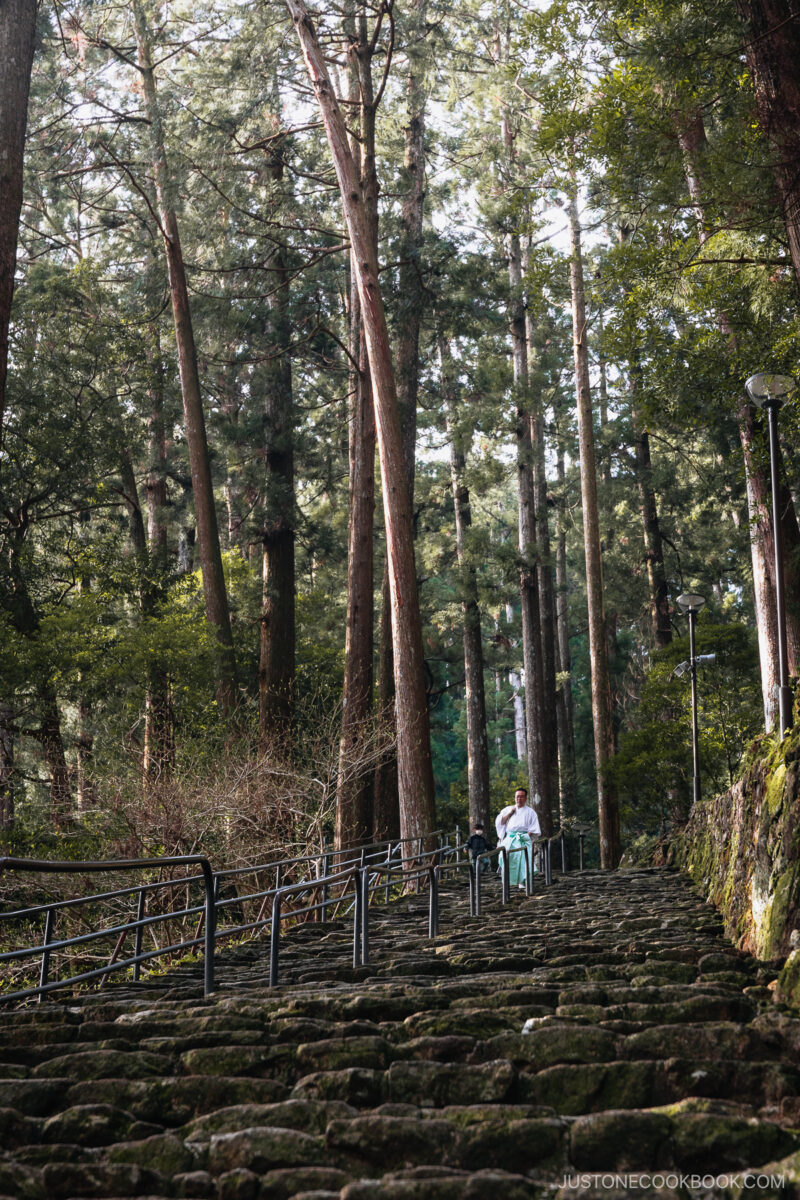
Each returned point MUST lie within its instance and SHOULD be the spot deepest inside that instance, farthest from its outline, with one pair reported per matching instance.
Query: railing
(361, 873)
(50, 945)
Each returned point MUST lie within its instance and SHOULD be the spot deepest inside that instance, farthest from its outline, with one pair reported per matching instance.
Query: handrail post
(477, 912)
(211, 926)
(364, 882)
(356, 877)
(274, 939)
(326, 870)
(471, 879)
(433, 902)
(388, 889)
(458, 843)
(137, 941)
(581, 836)
(44, 971)
(563, 853)
(529, 869)
(278, 876)
(548, 865)
(506, 877)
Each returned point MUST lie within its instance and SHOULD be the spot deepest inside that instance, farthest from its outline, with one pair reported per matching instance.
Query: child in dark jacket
(478, 845)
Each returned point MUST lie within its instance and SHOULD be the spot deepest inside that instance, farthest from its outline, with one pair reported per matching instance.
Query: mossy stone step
(603, 1024)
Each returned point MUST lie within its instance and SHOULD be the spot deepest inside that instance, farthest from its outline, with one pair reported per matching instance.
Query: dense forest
(371, 384)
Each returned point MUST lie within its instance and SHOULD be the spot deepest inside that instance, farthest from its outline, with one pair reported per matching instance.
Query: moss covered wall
(743, 849)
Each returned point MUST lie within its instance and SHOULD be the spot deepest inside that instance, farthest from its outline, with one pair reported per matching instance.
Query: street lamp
(691, 603)
(769, 392)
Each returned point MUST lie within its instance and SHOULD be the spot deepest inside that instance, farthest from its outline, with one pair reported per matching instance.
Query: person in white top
(516, 824)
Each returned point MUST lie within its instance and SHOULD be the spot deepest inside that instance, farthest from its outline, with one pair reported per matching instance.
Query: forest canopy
(371, 384)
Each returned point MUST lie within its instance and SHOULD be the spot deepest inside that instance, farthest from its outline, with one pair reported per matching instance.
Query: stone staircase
(603, 1026)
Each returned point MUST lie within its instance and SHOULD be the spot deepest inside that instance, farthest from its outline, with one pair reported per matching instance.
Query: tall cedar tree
(602, 715)
(216, 598)
(414, 765)
(17, 33)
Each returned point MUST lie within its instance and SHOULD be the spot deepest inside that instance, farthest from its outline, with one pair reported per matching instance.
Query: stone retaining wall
(742, 848)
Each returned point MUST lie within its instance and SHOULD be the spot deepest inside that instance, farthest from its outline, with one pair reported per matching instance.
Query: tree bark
(547, 615)
(568, 794)
(354, 818)
(26, 621)
(772, 48)
(412, 299)
(415, 770)
(477, 743)
(651, 529)
(159, 739)
(216, 599)
(276, 672)
(7, 781)
(538, 764)
(17, 34)
(602, 715)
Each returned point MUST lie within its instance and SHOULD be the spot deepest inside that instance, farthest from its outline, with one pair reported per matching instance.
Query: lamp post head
(690, 602)
(767, 390)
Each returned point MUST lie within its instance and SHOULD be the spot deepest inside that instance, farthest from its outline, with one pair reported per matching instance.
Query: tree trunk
(386, 804)
(17, 33)
(566, 726)
(6, 767)
(412, 300)
(477, 744)
(354, 818)
(276, 672)
(538, 763)
(602, 715)
(216, 599)
(547, 616)
(772, 48)
(354, 787)
(415, 770)
(651, 529)
(159, 739)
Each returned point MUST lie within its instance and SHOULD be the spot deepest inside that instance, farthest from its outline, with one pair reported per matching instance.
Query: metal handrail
(80, 868)
(360, 868)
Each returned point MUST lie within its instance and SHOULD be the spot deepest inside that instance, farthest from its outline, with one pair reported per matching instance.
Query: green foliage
(653, 769)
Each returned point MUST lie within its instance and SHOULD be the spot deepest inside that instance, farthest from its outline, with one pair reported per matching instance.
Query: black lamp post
(769, 392)
(691, 603)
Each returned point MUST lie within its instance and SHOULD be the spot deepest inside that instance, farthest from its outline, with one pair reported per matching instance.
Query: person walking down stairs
(515, 825)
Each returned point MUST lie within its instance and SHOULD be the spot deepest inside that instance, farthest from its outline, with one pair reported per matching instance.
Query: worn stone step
(602, 1024)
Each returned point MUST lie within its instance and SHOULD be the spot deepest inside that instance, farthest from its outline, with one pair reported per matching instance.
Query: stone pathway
(603, 1026)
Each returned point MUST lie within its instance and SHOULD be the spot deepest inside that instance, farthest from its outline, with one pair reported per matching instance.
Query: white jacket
(522, 819)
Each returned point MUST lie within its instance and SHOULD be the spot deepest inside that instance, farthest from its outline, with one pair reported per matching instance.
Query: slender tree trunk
(386, 806)
(17, 33)
(48, 735)
(412, 301)
(520, 725)
(538, 762)
(415, 770)
(276, 673)
(477, 743)
(52, 744)
(602, 715)
(547, 614)
(354, 818)
(772, 47)
(651, 529)
(564, 712)
(216, 599)
(159, 741)
(6, 767)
